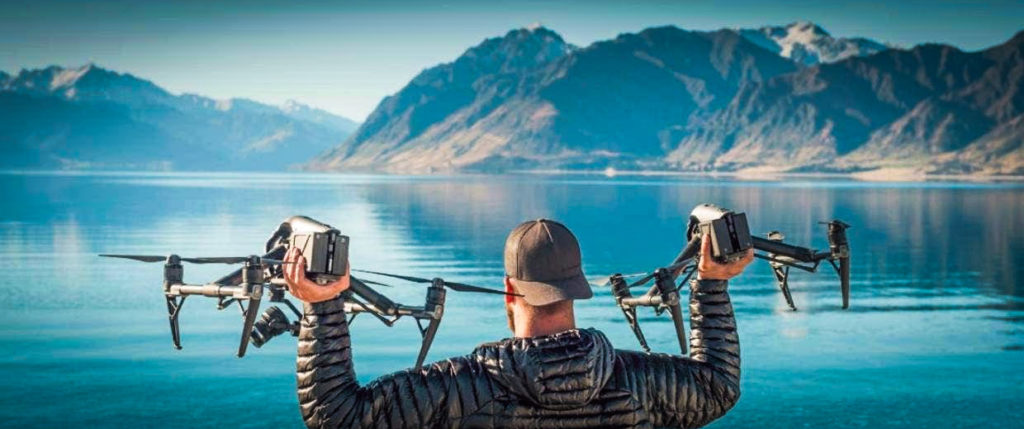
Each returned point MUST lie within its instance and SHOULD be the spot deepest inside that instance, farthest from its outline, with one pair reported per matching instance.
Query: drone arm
(331, 397)
(690, 251)
(838, 255)
(374, 298)
(779, 248)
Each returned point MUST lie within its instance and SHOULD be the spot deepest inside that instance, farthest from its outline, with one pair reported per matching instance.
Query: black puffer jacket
(574, 379)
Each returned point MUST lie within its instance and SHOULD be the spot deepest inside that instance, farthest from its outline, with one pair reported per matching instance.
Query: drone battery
(326, 253)
(730, 236)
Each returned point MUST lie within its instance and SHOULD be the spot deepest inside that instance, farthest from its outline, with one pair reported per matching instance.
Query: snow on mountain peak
(808, 43)
(292, 106)
(223, 105)
(64, 78)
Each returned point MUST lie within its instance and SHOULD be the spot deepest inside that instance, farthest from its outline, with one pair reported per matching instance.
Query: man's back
(571, 379)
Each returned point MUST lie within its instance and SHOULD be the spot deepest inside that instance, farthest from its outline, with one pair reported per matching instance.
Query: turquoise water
(935, 335)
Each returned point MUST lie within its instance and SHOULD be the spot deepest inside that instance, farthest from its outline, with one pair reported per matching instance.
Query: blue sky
(345, 56)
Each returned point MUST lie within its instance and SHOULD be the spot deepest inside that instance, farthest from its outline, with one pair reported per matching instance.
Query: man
(551, 374)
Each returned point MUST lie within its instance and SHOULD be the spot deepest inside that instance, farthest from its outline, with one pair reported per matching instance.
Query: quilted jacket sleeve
(330, 396)
(690, 392)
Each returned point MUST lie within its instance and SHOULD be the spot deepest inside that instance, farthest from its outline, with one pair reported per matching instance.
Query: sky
(344, 56)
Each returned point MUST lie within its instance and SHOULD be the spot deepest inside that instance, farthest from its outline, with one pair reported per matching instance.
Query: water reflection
(936, 272)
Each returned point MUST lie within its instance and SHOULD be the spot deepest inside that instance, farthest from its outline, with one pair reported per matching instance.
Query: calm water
(934, 336)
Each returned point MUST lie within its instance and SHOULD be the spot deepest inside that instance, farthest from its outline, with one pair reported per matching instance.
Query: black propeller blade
(205, 260)
(217, 260)
(461, 287)
(608, 279)
(232, 260)
(371, 282)
(140, 258)
(397, 276)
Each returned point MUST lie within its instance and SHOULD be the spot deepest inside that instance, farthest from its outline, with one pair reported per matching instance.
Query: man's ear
(509, 299)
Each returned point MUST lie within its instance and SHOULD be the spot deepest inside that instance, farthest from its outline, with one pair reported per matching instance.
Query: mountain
(932, 108)
(302, 112)
(809, 44)
(791, 99)
(530, 100)
(90, 117)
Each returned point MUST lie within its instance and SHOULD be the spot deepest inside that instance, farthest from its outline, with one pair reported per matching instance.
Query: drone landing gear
(249, 318)
(782, 277)
(664, 295)
(634, 324)
(781, 265)
(173, 308)
(435, 307)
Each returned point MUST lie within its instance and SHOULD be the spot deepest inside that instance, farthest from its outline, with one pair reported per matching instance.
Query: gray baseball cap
(542, 257)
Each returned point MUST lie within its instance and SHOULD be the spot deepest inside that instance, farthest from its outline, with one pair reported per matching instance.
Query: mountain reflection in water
(934, 333)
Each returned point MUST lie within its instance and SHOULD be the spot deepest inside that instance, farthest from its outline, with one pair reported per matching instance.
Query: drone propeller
(371, 282)
(232, 260)
(140, 258)
(608, 279)
(217, 260)
(461, 287)
(205, 260)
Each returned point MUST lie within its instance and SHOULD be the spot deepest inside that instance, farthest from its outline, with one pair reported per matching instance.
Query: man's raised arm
(690, 392)
(330, 396)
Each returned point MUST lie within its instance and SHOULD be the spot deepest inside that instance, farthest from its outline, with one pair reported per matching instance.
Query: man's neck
(544, 327)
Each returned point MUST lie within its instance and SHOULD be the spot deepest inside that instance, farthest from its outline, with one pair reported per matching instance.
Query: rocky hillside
(791, 99)
(932, 108)
(89, 117)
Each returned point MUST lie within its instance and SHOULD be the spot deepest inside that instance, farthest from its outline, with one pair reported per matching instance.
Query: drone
(325, 250)
(261, 278)
(730, 240)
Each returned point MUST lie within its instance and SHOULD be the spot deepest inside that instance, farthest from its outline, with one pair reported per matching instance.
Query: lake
(934, 336)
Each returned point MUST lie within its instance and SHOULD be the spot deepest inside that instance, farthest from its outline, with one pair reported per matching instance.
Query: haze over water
(934, 335)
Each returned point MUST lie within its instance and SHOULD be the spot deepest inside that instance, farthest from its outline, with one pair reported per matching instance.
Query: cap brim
(544, 293)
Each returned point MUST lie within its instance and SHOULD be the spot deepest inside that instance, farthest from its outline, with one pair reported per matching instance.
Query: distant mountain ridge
(91, 117)
(933, 108)
(548, 104)
(789, 98)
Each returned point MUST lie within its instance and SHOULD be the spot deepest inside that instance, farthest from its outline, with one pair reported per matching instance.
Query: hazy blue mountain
(666, 98)
(307, 113)
(809, 44)
(90, 117)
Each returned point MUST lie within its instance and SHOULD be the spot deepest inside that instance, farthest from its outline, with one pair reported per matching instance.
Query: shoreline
(874, 176)
(880, 175)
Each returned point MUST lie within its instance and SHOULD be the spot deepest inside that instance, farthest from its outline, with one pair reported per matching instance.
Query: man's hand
(305, 289)
(709, 269)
